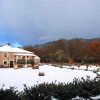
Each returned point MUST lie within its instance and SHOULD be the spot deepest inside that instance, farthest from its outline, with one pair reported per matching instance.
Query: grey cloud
(39, 21)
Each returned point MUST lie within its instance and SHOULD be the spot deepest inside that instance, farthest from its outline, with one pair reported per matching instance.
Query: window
(5, 62)
(5, 55)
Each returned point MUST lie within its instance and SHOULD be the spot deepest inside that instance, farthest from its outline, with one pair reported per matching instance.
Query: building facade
(17, 57)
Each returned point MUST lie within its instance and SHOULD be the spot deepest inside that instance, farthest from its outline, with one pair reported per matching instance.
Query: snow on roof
(21, 54)
(7, 48)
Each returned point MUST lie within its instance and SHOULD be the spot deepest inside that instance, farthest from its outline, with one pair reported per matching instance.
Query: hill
(66, 41)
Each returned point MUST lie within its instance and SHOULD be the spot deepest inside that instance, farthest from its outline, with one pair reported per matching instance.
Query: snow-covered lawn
(29, 76)
(84, 67)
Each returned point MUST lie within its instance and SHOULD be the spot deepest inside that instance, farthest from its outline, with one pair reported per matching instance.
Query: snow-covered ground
(29, 76)
(84, 67)
(96, 97)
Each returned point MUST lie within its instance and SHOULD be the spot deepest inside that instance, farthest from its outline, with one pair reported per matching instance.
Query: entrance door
(11, 64)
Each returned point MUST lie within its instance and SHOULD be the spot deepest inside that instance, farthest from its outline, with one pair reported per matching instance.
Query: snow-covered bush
(79, 87)
(9, 94)
(83, 88)
(78, 98)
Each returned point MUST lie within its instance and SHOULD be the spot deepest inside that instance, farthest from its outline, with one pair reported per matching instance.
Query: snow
(96, 97)
(25, 54)
(78, 98)
(7, 48)
(84, 67)
(29, 76)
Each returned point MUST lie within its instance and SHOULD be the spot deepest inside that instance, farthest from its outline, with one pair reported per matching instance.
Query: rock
(41, 74)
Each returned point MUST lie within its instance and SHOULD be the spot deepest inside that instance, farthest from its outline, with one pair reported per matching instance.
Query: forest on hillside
(68, 51)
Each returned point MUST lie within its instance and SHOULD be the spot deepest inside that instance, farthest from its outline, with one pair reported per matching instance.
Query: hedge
(79, 87)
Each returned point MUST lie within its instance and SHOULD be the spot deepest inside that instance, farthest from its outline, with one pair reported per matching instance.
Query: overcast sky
(39, 21)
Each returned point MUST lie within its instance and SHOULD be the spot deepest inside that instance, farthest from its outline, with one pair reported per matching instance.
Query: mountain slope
(65, 41)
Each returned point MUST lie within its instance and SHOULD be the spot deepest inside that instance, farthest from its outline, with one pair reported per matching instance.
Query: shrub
(39, 92)
(30, 62)
(61, 91)
(21, 61)
(83, 88)
(9, 94)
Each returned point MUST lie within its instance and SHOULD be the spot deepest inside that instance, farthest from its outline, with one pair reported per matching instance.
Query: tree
(94, 51)
(59, 56)
(60, 44)
(75, 48)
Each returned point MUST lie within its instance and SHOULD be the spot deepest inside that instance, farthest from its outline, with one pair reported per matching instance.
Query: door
(11, 64)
